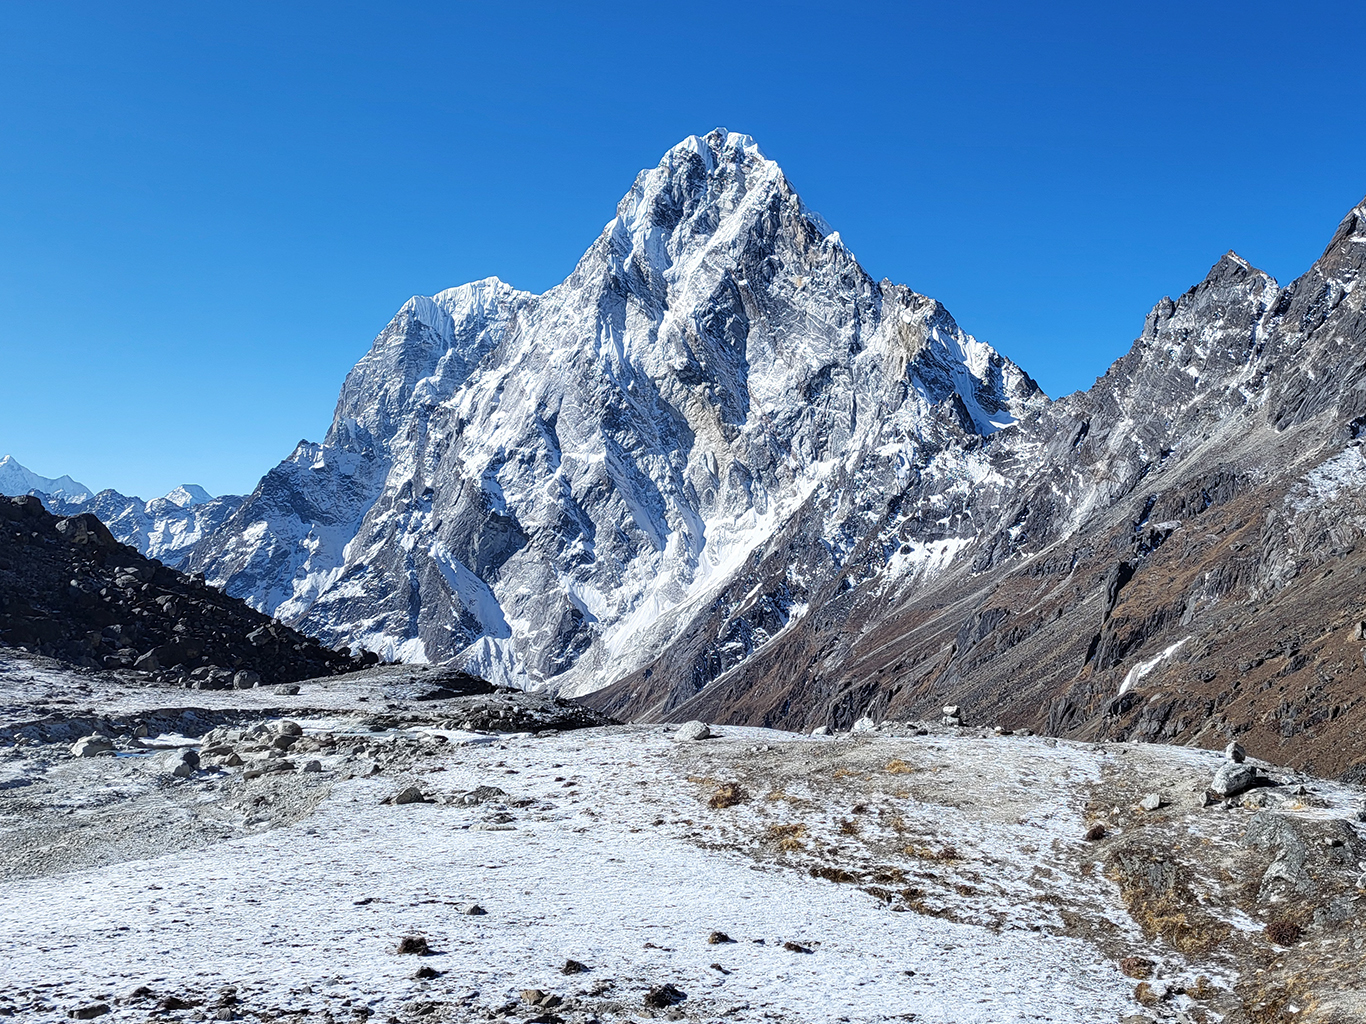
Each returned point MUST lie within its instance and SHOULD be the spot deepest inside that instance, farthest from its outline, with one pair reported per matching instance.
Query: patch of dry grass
(728, 795)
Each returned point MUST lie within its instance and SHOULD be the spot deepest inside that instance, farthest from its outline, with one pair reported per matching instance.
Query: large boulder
(92, 746)
(1233, 778)
(693, 730)
(182, 763)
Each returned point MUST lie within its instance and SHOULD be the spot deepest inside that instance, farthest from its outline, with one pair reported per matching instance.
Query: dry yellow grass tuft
(728, 795)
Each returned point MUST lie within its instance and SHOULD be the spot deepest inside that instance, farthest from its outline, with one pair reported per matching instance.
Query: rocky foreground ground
(388, 846)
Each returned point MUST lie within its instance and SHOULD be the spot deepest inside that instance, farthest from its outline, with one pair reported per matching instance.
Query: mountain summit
(547, 488)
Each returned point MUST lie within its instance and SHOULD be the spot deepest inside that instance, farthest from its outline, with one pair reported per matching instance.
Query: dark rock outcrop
(69, 590)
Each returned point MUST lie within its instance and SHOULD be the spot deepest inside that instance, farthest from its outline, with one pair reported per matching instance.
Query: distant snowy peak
(15, 480)
(188, 496)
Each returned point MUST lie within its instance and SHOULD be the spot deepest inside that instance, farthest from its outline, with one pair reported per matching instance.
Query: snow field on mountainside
(609, 864)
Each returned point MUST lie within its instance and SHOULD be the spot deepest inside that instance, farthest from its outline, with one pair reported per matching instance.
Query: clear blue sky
(210, 209)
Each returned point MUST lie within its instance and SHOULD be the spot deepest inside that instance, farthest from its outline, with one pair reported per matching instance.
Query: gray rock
(1235, 752)
(693, 730)
(480, 794)
(88, 1012)
(865, 724)
(181, 763)
(1233, 778)
(1151, 802)
(92, 746)
(407, 795)
(245, 680)
(286, 690)
(313, 766)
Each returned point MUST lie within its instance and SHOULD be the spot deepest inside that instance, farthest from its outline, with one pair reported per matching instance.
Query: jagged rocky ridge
(720, 472)
(1171, 555)
(549, 488)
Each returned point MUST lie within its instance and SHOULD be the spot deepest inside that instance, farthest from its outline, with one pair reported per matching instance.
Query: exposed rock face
(549, 488)
(68, 589)
(719, 473)
(1166, 556)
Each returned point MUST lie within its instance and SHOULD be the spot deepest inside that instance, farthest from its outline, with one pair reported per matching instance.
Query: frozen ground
(881, 876)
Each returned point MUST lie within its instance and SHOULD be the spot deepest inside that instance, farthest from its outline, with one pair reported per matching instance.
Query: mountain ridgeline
(720, 472)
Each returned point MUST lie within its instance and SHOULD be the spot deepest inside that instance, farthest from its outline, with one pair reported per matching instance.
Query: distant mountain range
(721, 472)
(165, 528)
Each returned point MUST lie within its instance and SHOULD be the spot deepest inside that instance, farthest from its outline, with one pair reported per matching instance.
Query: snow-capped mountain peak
(543, 486)
(15, 480)
(188, 496)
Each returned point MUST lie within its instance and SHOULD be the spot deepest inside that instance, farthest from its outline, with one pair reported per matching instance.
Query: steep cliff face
(1172, 554)
(550, 488)
(720, 471)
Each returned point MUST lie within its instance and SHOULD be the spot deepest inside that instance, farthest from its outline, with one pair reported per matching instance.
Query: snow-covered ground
(914, 873)
(308, 917)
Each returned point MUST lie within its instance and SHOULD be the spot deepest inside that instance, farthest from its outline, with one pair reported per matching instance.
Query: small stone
(693, 730)
(1235, 752)
(1151, 802)
(471, 909)
(92, 746)
(408, 795)
(286, 690)
(313, 766)
(413, 945)
(1233, 778)
(574, 967)
(716, 938)
(233, 760)
(663, 996)
(425, 973)
(89, 1012)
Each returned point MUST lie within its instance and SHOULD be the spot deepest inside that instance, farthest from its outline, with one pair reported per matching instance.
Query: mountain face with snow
(1171, 555)
(721, 472)
(16, 480)
(165, 528)
(549, 488)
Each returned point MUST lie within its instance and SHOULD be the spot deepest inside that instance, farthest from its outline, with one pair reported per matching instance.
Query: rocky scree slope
(1171, 555)
(551, 489)
(69, 590)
